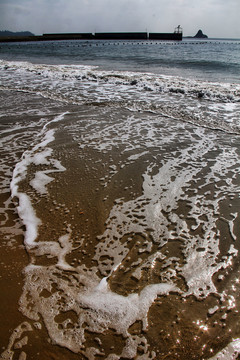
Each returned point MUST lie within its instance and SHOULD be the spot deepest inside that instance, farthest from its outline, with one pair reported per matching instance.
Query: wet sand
(92, 220)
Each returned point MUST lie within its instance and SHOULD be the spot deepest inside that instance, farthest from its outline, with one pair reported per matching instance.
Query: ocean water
(119, 203)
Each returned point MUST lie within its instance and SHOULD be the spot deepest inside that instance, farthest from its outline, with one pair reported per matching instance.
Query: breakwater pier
(175, 36)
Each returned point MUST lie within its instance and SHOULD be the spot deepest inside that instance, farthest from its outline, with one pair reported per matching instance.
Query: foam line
(120, 312)
(34, 156)
(161, 94)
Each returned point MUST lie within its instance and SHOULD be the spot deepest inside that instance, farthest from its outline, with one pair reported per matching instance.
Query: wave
(171, 226)
(207, 104)
(222, 92)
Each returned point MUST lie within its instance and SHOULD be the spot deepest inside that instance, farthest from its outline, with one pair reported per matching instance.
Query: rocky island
(200, 35)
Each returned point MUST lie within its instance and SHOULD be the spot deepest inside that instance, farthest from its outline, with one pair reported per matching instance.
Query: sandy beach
(100, 262)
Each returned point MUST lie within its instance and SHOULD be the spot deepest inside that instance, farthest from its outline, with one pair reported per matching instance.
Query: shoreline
(136, 209)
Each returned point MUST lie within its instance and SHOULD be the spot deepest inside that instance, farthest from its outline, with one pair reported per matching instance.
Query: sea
(119, 201)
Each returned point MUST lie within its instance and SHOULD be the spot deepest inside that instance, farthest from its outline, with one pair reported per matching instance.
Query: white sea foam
(193, 171)
(38, 155)
(120, 312)
(40, 181)
(183, 99)
(157, 206)
(96, 307)
(16, 343)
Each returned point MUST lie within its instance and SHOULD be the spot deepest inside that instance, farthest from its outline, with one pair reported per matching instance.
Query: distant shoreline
(106, 36)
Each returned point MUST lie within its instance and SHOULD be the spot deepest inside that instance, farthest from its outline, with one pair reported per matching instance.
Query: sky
(216, 18)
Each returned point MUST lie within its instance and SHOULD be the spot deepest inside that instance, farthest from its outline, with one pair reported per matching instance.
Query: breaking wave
(214, 105)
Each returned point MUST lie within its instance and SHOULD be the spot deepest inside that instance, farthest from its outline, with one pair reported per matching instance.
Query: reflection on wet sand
(131, 227)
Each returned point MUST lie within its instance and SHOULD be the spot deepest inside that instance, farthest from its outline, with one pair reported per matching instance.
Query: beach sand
(135, 199)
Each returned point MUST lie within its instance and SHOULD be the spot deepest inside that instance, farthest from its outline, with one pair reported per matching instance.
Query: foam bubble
(40, 181)
(95, 307)
(120, 312)
(15, 342)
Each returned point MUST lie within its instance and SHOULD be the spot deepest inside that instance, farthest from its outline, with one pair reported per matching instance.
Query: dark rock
(200, 35)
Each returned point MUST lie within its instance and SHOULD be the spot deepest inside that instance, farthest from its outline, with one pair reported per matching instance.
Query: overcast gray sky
(216, 18)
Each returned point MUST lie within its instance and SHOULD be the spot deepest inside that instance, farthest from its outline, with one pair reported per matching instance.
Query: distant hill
(6, 33)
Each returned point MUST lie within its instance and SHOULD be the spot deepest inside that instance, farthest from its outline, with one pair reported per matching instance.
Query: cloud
(214, 17)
